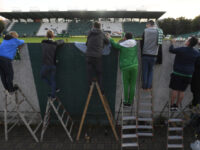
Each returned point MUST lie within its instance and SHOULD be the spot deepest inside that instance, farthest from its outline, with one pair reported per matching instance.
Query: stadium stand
(197, 34)
(58, 28)
(25, 28)
(136, 28)
(111, 27)
(79, 28)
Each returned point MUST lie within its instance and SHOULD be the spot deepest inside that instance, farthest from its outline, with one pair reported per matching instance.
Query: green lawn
(67, 40)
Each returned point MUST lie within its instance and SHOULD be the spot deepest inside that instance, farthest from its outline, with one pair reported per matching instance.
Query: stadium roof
(82, 14)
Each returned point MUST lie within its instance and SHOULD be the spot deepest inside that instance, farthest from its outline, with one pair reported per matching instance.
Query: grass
(67, 40)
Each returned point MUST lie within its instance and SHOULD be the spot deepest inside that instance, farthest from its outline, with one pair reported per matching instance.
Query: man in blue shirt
(8, 49)
(182, 70)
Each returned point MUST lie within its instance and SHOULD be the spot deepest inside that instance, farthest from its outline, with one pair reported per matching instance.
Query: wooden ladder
(106, 108)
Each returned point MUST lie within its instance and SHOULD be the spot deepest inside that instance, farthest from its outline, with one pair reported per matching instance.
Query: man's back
(95, 43)
(150, 41)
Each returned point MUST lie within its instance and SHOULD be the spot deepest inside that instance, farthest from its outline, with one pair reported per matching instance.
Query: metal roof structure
(83, 14)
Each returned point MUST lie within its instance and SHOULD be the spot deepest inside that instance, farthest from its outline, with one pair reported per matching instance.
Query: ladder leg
(85, 111)
(45, 122)
(5, 119)
(107, 110)
(28, 126)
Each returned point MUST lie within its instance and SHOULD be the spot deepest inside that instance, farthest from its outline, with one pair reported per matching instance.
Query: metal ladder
(129, 128)
(14, 113)
(63, 116)
(145, 114)
(106, 108)
(175, 131)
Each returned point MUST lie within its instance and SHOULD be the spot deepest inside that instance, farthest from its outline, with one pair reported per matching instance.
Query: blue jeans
(147, 71)
(48, 74)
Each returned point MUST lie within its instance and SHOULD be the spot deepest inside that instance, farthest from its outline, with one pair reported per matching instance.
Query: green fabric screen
(72, 80)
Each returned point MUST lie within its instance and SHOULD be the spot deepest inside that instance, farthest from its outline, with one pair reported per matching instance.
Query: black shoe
(50, 96)
(57, 90)
(127, 105)
(173, 107)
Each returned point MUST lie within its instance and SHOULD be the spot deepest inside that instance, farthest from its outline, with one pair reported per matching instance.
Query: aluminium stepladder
(106, 108)
(55, 105)
(129, 130)
(14, 113)
(175, 130)
(145, 114)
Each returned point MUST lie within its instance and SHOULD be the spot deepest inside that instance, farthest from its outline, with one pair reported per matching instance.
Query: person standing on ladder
(96, 41)
(48, 71)
(183, 69)
(8, 49)
(195, 85)
(128, 61)
(149, 50)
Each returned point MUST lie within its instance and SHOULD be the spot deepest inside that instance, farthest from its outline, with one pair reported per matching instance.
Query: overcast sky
(173, 8)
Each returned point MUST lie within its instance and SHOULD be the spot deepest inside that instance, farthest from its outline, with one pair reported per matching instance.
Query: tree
(2, 26)
(196, 23)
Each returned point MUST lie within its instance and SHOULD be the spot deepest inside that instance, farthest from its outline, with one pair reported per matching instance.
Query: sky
(173, 8)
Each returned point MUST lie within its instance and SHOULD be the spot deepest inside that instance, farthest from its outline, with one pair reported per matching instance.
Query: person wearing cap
(8, 49)
(128, 61)
(149, 52)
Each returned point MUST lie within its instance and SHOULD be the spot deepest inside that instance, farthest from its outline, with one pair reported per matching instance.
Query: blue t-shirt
(8, 48)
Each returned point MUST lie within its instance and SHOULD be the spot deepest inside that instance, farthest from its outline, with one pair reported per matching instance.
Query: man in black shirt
(96, 41)
(48, 70)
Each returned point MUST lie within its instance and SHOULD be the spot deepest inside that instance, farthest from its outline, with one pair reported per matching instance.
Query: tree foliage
(180, 25)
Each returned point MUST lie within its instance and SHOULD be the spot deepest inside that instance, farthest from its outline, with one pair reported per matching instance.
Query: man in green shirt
(128, 65)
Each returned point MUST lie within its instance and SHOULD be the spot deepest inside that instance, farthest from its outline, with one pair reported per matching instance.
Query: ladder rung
(129, 127)
(146, 97)
(145, 119)
(145, 127)
(145, 112)
(175, 137)
(67, 121)
(20, 102)
(129, 136)
(175, 120)
(63, 113)
(70, 130)
(175, 145)
(144, 134)
(128, 118)
(130, 145)
(146, 104)
(58, 106)
(38, 126)
(175, 129)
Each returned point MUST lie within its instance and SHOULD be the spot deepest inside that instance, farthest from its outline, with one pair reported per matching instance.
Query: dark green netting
(72, 80)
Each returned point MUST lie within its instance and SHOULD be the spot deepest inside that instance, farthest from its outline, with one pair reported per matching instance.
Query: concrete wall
(24, 77)
(161, 91)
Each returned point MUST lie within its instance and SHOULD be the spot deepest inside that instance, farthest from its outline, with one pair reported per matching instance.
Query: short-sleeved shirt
(8, 48)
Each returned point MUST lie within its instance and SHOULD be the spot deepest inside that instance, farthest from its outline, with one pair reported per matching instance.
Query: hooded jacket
(128, 53)
(195, 85)
(8, 47)
(96, 41)
(49, 48)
